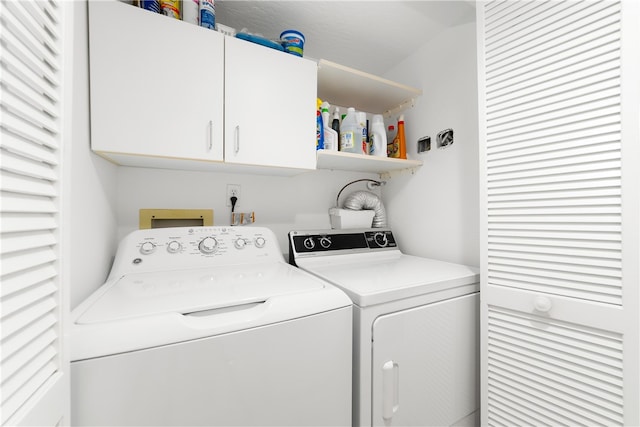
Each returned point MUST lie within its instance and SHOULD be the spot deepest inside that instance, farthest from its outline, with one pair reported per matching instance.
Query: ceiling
(371, 36)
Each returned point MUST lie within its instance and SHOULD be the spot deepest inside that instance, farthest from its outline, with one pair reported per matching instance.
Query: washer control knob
(147, 247)
(240, 243)
(325, 242)
(174, 247)
(260, 242)
(208, 245)
(309, 243)
(381, 239)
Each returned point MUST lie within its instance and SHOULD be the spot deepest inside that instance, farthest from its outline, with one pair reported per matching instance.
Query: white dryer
(210, 326)
(416, 332)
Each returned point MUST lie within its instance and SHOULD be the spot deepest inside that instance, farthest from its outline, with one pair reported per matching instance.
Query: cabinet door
(156, 84)
(425, 364)
(270, 104)
(559, 180)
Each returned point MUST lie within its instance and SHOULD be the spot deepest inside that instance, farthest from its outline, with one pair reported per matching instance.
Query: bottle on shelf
(335, 124)
(391, 133)
(362, 126)
(398, 147)
(319, 127)
(378, 137)
(350, 133)
(330, 135)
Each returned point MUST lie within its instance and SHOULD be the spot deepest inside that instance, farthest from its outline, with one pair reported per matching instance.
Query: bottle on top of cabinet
(207, 14)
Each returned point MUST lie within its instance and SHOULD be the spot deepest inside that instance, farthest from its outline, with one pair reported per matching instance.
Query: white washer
(210, 326)
(415, 327)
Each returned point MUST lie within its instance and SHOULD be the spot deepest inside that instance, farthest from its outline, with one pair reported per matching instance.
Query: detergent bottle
(350, 133)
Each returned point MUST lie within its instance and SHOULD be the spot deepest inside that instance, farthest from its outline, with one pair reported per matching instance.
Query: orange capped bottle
(399, 146)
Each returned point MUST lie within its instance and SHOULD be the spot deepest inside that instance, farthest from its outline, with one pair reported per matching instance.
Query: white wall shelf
(361, 163)
(347, 87)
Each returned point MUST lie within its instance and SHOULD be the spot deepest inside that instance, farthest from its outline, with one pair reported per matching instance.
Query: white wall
(92, 182)
(280, 203)
(434, 213)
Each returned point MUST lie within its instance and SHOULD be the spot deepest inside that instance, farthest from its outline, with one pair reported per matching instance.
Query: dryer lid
(194, 290)
(376, 278)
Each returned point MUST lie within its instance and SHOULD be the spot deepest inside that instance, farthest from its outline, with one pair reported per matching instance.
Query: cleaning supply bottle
(319, 127)
(335, 124)
(362, 126)
(399, 142)
(330, 135)
(378, 137)
(391, 133)
(350, 133)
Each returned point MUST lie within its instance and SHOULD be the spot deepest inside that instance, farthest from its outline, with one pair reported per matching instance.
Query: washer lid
(379, 278)
(194, 290)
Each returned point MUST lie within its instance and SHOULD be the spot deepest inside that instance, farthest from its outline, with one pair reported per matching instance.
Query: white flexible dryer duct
(366, 200)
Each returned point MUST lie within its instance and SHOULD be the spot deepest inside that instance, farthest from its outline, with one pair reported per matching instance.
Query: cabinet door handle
(236, 142)
(390, 385)
(210, 135)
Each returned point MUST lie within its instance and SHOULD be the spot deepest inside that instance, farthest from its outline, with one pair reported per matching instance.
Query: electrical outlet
(233, 190)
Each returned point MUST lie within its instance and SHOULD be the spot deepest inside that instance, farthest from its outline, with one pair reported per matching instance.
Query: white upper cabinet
(169, 94)
(157, 85)
(270, 107)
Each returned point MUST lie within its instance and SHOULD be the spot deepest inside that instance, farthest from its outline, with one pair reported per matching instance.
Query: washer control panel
(339, 241)
(192, 247)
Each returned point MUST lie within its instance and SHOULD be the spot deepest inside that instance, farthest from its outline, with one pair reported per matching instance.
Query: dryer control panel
(161, 249)
(331, 242)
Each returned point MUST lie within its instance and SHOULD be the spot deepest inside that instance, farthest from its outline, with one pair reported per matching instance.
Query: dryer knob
(381, 239)
(147, 247)
(309, 243)
(325, 242)
(260, 242)
(208, 245)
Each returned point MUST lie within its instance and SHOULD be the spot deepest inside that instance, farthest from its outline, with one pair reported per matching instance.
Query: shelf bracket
(385, 176)
(409, 103)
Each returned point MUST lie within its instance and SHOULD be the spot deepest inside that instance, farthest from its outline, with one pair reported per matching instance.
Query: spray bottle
(335, 124)
(330, 135)
(319, 127)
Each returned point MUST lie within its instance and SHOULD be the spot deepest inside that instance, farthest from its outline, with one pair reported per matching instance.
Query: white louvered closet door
(34, 384)
(559, 206)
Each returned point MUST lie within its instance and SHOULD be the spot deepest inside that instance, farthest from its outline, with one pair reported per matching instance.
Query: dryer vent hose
(365, 200)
